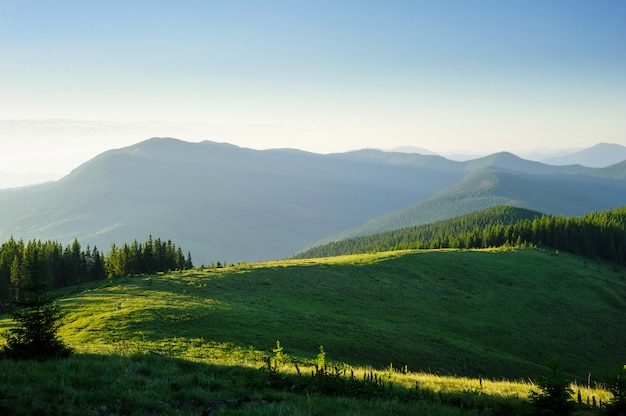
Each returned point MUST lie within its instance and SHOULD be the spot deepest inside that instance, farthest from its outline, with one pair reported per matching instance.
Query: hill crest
(497, 313)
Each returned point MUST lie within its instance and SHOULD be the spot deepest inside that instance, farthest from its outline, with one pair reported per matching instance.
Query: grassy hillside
(152, 384)
(201, 335)
(496, 313)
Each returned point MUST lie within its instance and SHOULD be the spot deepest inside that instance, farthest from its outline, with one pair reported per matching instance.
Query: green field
(171, 343)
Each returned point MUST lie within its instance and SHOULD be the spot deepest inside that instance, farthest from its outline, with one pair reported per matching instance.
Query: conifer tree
(37, 317)
(16, 276)
(617, 405)
(555, 396)
(188, 262)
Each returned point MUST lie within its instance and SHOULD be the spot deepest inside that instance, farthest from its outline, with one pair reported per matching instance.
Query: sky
(452, 76)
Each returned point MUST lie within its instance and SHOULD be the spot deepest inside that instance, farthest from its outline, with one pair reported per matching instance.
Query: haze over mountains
(598, 156)
(227, 203)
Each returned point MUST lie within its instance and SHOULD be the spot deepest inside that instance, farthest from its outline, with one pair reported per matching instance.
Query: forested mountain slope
(509, 162)
(220, 201)
(596, 234)
(229, 204)
(552, 192)
(617, 171)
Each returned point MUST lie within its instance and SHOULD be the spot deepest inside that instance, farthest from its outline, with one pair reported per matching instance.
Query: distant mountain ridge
(599, 156)
(219, 201)
(505, 179)
(227, 203)
(555, 194)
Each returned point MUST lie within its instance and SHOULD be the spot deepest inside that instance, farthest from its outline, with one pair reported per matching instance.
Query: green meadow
(429, 332)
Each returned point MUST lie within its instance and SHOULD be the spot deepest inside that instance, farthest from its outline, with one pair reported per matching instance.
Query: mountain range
(600, 155)
(226, 203)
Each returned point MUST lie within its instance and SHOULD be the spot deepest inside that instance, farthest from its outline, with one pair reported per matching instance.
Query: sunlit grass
(448, 316)
(461, 312)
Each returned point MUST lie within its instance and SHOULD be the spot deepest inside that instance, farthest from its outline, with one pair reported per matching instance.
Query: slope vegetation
(195, 342)
(436, 234)
(496, 313)
(596, 235)
(567, 194)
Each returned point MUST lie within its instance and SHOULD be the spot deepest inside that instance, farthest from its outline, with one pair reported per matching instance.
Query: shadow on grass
(150, 383)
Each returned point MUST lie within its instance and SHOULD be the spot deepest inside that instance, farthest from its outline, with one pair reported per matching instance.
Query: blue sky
(81, 77)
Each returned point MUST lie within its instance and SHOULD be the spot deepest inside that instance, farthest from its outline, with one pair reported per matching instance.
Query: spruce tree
(37, 316)
(617, 405)
(555, 396)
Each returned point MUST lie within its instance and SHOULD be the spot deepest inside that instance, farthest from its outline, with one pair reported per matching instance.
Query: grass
(147, 383)
(471, 313)
(458, 321)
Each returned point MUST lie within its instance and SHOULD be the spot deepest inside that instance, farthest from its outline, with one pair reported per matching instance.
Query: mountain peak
(505, 160)
(511, 162)
(411, 149)
(606, 146)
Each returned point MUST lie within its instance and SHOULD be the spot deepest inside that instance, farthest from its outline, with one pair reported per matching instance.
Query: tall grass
(148, 383)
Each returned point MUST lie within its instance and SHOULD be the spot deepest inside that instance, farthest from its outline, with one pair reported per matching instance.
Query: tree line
(70, 265)
(599, 235)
